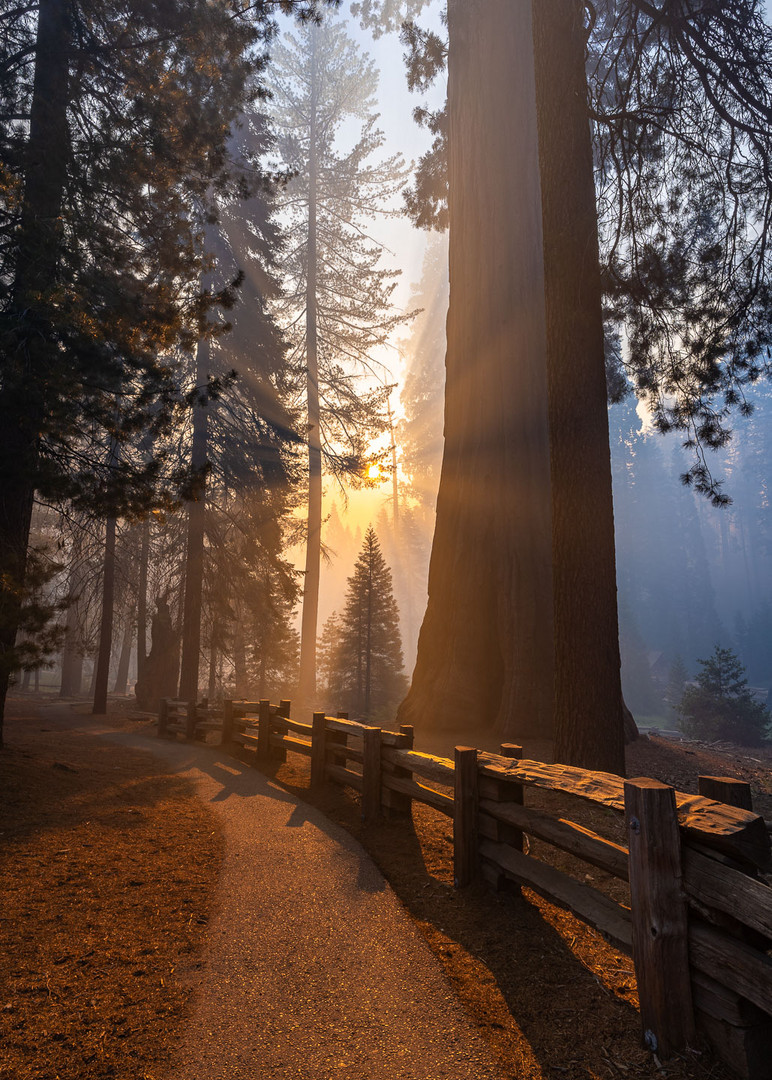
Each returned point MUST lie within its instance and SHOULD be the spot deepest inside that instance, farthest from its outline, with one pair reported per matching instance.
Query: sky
(404, 245)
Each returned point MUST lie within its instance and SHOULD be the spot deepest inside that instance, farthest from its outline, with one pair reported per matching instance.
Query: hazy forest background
(276, 537)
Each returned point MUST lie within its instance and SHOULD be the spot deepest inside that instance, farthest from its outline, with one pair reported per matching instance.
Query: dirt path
(312, 969)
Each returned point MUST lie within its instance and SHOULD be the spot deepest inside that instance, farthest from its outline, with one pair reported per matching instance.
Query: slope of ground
(109, 870)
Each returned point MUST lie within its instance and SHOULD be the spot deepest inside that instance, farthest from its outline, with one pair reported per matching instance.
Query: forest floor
(108, 872)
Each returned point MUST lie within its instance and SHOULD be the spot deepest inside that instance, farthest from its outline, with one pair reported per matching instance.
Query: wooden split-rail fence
(699, 924)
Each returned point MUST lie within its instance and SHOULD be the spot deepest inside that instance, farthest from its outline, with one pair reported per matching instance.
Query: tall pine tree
(339, 307)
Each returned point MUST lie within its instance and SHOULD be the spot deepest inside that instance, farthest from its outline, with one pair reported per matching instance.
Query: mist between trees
(200, 347)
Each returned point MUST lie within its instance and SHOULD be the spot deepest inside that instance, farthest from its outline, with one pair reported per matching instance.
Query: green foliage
(361, 651)
(679, 97)
(720, 706)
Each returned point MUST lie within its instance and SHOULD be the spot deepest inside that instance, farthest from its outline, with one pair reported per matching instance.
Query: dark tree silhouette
(114, 122)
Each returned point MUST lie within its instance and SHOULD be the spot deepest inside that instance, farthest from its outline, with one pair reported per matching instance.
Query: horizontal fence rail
(699, 924)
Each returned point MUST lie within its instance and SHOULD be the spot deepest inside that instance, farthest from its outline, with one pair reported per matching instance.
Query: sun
(374, 471)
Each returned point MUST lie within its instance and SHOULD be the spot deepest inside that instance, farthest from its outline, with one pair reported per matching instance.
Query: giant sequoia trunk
(521, 625)
(588, 692)
(485, 654)
(25, 358)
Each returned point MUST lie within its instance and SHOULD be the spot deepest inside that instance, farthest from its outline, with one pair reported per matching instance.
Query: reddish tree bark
(588, 692)
(485, 653)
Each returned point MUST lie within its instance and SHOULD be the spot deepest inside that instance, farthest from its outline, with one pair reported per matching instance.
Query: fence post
(504, 791)
(722, 789)
(227, 725)
(659, 916)
(401, 805)
(371, 773)
(163, 717)
(190, 721)
(279, 753)
(465, 854)
(264, 730)
(318, 748)
(341, 739)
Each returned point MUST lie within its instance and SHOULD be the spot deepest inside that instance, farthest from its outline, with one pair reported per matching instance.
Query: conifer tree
(721, 706)
(338, 307)
(367, 666)
(114, 122)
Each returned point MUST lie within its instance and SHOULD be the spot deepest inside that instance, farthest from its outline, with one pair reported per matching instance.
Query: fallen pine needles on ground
(108, 871)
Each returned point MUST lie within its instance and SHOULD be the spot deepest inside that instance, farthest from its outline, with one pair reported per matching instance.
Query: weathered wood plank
(441, 802)
(285, 724)
(346, 727)
(739, 833)
(610, 919)
(659, 916)
(339, 753)
(733, 963)
(396, 739)
(563, 834)
(345, 776)
(438, 770)
(245, 708)
(246, 738)
(722, 887)
(289, 742)
(465, 854)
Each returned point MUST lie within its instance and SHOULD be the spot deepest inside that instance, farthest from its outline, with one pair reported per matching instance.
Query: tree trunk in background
(144, 558)
(239, 657)
(24, 360)
(72, 653)
(102, 669)
(122, 675)
(307, 676)
(212, 685)
(588, 692)
(485, 652)
(194, 559)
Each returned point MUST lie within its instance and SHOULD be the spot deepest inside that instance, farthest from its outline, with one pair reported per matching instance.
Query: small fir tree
(368, 669)
(721, 706)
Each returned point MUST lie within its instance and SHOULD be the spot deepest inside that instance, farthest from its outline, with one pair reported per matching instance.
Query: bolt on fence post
(659, 916)
(465, 808)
